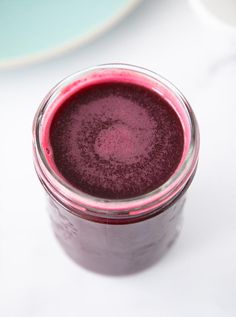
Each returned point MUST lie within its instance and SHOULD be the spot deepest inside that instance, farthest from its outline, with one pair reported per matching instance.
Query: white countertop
(198, 276)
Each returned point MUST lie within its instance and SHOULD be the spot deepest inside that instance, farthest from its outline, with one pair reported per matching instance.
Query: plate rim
(72, 44)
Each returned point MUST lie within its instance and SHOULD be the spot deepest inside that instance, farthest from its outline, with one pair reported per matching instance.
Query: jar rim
(114, 208)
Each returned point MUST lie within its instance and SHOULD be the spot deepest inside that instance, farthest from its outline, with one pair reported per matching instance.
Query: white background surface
(198, 276)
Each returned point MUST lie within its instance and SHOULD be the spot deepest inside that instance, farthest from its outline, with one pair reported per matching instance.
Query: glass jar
(113, 236)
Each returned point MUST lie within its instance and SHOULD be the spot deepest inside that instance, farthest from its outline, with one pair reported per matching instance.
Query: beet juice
(115, 148)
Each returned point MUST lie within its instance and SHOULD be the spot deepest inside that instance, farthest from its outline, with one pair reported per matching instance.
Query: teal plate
(32, 30)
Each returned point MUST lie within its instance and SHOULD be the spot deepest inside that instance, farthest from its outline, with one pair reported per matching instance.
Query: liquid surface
(116, 140)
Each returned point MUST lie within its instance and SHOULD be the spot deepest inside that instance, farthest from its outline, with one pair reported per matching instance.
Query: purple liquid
(116, 140)
(113, 133)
